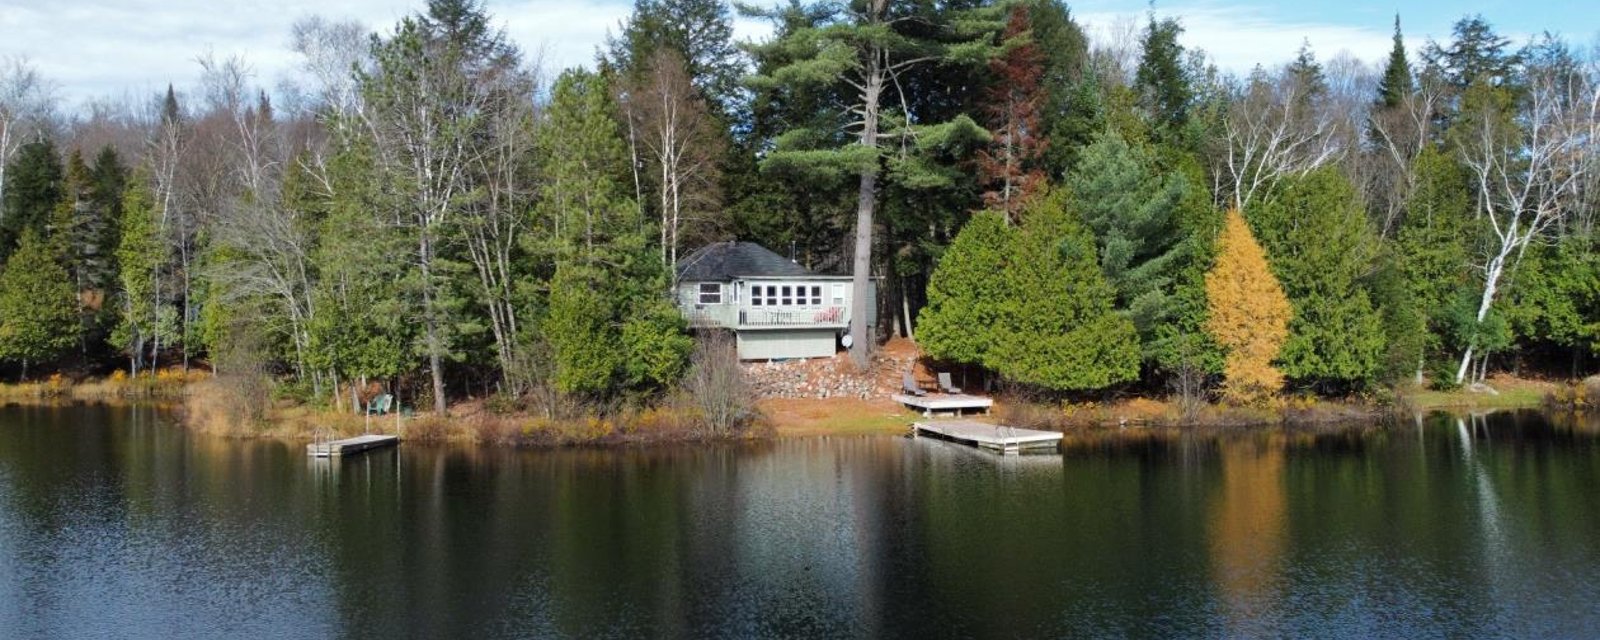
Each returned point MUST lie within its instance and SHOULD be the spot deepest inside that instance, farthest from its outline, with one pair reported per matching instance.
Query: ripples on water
(113, 524)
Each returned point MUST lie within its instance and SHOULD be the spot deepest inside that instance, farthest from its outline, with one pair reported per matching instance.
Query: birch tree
(1276, 128)
(427, 105)
(684, 145)
(1529, 162)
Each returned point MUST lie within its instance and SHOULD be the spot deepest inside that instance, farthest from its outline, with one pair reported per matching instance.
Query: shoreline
(197, 407)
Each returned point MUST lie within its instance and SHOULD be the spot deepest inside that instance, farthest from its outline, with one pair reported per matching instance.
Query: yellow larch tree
(1249, 314)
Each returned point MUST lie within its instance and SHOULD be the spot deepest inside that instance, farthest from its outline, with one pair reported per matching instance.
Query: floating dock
(988, 436)
(347, 446)
(954, 403)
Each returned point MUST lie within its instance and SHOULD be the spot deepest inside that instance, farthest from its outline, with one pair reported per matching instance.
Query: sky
(100, 48)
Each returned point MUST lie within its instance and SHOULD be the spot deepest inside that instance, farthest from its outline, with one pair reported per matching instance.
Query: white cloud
(1238, 38)
(91, 48)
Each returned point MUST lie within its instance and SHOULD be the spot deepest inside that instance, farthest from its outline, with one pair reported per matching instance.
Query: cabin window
(710, 293)
(763, 296)
(788, 295)
(816, 295)
(838, 294)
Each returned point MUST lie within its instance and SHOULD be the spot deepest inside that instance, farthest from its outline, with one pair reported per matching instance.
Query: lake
(113, 523)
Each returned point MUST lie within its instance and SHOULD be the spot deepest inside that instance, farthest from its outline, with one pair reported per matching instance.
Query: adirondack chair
(380, 405)
(945, 386)
(909, 384)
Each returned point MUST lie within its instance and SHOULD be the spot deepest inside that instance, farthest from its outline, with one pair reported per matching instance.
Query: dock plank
(988, 436)
(349, 446)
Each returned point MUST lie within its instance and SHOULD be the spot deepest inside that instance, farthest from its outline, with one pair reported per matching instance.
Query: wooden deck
(936, 402)
(348, 446)
(988, 436)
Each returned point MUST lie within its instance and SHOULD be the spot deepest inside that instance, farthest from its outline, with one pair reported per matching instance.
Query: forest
(425, 206)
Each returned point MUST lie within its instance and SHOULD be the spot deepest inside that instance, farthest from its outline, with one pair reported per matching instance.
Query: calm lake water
(115, 524)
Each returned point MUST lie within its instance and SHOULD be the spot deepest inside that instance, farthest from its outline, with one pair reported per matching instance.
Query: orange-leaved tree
(1249, 313)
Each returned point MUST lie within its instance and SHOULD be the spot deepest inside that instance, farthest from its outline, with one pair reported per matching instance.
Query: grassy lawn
(836, 416)
(1513, 394)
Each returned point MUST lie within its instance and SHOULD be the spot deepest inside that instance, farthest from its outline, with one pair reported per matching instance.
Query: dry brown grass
(164, 384)
(209, 408)
(790, 417)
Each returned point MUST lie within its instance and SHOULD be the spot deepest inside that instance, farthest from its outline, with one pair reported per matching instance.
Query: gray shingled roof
(724, 261)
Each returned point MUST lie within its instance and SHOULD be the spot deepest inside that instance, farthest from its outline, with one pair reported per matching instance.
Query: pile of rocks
(826, 377)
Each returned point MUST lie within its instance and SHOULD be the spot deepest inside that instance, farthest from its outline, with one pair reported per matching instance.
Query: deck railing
(731, 318)
(778, 317)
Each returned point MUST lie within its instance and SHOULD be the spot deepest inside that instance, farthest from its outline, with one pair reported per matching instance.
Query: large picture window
(710, 293)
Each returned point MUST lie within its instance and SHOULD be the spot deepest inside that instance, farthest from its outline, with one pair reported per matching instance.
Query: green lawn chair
(381, 405)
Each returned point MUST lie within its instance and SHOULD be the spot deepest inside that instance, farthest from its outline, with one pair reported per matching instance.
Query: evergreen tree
(38, 306)
(606, 323)
(361, 328)
(429, 96)
(109, 179)
(584, 204)
(33, 187)
(1310, 84)
(146, 319)
(78, 228)
(701, 31)
(1249, 314)
(1131, 204)
(1320, 247)
(1432, 249)
(966, 294)
(1071, 111)
(1555, 299)
(578, 327)
(1163, 84)
(853, 55)
(1396, 83)
(1475, 54)
(1055, 327)
(1010, 167)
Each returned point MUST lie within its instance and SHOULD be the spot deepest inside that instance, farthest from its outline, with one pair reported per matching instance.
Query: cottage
(777, 309)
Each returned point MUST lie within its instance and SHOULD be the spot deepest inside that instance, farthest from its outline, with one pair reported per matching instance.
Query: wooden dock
(988, 436)
(953, 403)
(347, 446)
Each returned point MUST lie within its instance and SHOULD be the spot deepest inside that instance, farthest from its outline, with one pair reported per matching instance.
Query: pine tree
(1476, 54)
(1071, 113)
(429, 96)
(584, 204)
(1056, 328)
(853, 56)
(700, 31)
(1163, 85)
(965, 292)
(1396, 84)
(1010, 167)
(33, 187)
(1248, 314)
(108, 181)
(1131, 204)
(38, 306)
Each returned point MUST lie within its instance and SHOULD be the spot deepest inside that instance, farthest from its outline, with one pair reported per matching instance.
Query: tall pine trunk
(866, 200)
